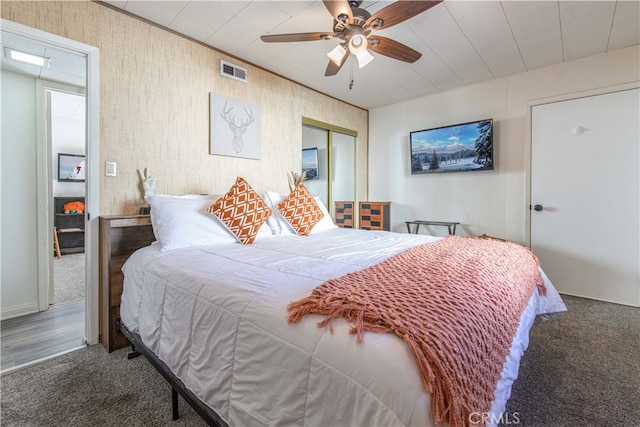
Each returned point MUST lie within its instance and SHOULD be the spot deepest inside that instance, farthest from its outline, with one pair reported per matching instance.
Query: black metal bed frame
(177, 386)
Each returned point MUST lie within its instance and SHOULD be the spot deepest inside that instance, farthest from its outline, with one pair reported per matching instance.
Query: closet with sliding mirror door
(333, 177)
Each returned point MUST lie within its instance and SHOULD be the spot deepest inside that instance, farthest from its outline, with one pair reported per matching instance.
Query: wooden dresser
(375, 216)
(120, 236)
(343, 214)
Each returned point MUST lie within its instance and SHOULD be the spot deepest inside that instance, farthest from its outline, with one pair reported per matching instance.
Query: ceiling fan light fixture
(357, 43)
(337, 54)
(364, 57)
(358, 47)
(353, 26)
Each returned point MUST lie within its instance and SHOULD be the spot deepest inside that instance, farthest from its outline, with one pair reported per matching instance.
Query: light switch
(110, 169)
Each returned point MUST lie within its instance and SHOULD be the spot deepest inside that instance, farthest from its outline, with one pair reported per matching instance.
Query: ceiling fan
(355, 28)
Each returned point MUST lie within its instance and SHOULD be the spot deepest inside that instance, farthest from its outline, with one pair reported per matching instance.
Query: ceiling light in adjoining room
(337, 54)
(26, 57)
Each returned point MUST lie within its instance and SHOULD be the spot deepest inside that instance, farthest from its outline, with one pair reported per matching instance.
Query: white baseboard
(579, 295)
(18, 310)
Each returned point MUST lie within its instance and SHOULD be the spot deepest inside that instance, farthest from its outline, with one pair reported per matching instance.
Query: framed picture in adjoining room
(71, 167)
(454, 148)
(310, 163)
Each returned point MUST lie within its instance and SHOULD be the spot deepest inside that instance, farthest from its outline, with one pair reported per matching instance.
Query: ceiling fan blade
(332, 68)
(338, 7)
(296, 37)
(400, 11)
(393, 49)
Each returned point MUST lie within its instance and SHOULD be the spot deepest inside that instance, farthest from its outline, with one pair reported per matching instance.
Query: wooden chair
(56, 245)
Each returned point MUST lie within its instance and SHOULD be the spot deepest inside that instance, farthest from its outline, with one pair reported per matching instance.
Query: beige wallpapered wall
(154, 107)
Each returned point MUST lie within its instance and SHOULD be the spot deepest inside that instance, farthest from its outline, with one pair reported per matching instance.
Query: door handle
(537, 208)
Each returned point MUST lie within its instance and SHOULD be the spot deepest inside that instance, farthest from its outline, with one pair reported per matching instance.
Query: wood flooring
(41, 335)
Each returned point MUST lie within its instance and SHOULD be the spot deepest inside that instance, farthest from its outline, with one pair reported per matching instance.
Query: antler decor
(148, 183)
(295, 179)
(237, 129)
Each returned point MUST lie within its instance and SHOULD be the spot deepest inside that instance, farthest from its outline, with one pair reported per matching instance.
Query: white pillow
(326, 223)
(279, 225)
(276, 221)
(183, 221)
(265, 230)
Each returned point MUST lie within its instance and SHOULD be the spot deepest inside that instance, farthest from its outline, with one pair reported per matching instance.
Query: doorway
(66, 130)
(585, 190)
(41, 223)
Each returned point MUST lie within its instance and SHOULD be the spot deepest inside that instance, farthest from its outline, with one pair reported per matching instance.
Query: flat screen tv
(454, 148)
(70, 167)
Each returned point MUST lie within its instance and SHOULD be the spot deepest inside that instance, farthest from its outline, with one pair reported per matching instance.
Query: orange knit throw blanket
(457, 304)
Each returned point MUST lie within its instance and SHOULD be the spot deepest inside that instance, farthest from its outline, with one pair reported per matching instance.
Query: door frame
(529, 136)
(92, 188)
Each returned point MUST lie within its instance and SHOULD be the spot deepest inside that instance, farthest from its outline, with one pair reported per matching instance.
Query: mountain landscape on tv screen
(462, 147)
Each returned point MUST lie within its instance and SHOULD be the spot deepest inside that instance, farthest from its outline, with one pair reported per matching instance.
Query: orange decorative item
(300, 210)
(242, 211)
(70, 207)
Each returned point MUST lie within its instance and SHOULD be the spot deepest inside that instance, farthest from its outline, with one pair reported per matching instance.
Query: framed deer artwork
(235, 128)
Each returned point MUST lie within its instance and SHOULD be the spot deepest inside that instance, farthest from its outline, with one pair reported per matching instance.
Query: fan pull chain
(351, 72)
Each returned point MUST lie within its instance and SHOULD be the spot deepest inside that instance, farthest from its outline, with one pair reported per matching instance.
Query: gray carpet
(90, 387)
(68, 278)
(581, 369)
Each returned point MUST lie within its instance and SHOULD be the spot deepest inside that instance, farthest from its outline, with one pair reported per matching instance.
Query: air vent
(233, 71)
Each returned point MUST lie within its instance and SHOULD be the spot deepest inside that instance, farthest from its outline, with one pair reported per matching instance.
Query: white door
(585, 191)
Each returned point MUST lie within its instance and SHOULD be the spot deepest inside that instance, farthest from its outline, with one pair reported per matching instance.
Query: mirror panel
(313, 137)
(336, 162)
(343, 161)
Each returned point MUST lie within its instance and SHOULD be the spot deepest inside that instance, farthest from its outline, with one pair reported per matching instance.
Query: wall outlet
(110, 169)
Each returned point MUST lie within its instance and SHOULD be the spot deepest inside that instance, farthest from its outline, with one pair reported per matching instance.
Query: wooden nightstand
(120, 236)
(375, 216)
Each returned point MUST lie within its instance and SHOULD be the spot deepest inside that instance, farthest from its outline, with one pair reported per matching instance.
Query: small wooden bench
(450, 225)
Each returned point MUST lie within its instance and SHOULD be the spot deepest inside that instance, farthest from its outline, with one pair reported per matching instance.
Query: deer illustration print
(237, 129)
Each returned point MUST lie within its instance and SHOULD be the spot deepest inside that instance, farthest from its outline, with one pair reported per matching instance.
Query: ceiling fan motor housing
(360, 17)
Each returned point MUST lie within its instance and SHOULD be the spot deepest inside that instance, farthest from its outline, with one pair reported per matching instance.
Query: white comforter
(216, 315)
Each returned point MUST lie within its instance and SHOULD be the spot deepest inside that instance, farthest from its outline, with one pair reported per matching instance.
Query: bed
(215, 313)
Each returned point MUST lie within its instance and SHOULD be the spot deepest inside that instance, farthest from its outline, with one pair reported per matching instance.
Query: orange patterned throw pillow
(300, 210)
(242, 211)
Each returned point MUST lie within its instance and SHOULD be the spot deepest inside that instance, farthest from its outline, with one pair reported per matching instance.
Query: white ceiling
(462, 42)
(61, 65)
